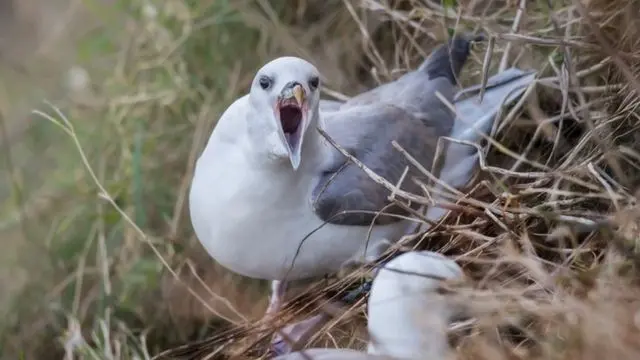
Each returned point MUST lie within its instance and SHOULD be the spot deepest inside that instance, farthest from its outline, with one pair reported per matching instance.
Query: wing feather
(409, 112)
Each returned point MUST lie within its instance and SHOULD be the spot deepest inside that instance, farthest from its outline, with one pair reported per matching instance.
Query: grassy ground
(93, 212)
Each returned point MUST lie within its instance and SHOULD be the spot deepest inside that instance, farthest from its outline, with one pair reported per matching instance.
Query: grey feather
(329, 105)
(407, 111)
(474, 120)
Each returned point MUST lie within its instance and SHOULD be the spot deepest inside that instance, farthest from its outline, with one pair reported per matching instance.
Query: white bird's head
(285, 97)
(408, 319)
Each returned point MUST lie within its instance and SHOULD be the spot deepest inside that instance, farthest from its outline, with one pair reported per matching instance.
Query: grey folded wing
(475, 120)
(407, 110)
(345, 194)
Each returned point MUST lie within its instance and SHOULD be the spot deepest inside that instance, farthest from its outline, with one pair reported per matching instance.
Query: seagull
(271, 198)
(407, 318)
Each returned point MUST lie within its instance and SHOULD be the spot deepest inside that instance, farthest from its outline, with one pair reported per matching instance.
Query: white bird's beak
(292, 111)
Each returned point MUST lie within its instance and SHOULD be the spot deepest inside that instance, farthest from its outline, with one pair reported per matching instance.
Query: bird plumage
(407, 318)
(261, 218)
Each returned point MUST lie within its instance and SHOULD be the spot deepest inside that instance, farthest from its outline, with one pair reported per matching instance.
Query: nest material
(547, 236)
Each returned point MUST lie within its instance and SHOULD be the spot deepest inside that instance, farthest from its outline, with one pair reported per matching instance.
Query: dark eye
(264, 82)
(314, 82)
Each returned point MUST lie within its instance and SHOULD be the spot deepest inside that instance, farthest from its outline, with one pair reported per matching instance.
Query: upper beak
(299, 94)
(294, 90)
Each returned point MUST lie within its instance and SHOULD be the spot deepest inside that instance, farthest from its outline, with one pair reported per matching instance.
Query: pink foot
(278, 291)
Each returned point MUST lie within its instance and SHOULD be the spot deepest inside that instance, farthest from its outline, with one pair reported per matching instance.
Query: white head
(407, 318)
(284, 97)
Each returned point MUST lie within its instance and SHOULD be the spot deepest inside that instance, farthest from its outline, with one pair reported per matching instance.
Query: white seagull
(407, 318)
(272, 199)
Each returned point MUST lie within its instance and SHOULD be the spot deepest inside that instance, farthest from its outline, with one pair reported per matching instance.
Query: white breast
(255, 221)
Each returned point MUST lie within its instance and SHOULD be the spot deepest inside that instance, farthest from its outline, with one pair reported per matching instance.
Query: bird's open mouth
(291, 110)
(291, 119)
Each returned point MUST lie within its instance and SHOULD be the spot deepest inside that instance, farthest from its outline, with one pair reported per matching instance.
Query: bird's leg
(278, 292)
(292, 335)
(297, 334)
(286, 339)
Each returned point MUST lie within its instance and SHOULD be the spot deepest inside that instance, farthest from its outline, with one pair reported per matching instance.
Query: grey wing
(344, 193)
(476, 118)
(329, 105)
(407, 111)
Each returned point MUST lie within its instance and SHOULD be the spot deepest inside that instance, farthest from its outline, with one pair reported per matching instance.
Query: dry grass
(547, 236)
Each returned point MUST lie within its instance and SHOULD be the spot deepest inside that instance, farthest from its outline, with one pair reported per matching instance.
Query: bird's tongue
(291, 121)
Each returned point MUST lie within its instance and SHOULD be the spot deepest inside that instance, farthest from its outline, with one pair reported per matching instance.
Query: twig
(504, 62)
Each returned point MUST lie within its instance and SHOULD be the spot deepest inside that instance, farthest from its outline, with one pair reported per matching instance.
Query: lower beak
(296, 150)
